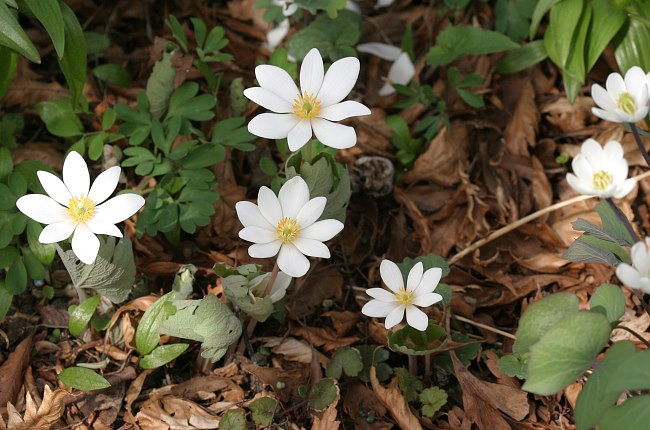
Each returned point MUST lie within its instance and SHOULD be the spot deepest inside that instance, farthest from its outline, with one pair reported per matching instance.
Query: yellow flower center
(81, 209)
(626, 103)
(306, 106)
(602, 179)
(287, 230)
(405, 297)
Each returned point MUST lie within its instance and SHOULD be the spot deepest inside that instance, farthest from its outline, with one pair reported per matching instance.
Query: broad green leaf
(111, 275)
(160, 86)
(5, 300)
(8, 62)
(346, 360)
(113, 74)
(632, 47)
(565, 352)
(16, 278)
(522, 58)
(559, 36)
(13, 36)
(237, 290)
(606, 245)
(588, 227)
(607, 19)
(146, 336)
(7, 256)
(81, 315)
(332, 7)
(584, 250)
(374, 356)
(185, 103)
(632, 414)
(334, 38)
(35, 269)
(432, 400)
(73, 61)
(7, 198)
(162, 355)
(456, 41)
(6, 233)
(541, 316)
(83, 379)
(613, 223)
(609, 300)
(513, 17)
(262, 410)
(48, 12)
(96, 42)
(512, 366)
(234, 419)
(44, 252)
(542, 7)
(323, 393)
(59, 117)
(575, 73)
(415, 342)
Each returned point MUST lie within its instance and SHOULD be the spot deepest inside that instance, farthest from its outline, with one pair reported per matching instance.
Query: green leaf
(323, 393)
(559, 35)
(512, 366)
(186, 104)
(372, 355)
(96, 42)
(262, 410)
(16, 279)
(334, 38)
(8, 63)
(612, 223)
(146, 336)
(513, 17)
(177, 30)
(542, 7)
(522, 58)
(13, 36)
(113, 74)
(268, 166)
(632, 48)
(162, 355)
(609, 300)
(565, 352)
(35, 269)
(7, 256)
(160, 86)
(49, 14)
(111, 275)
(432, 400)
(234, 419)
(575, 71)
(59, 118)
(409, 384)
(81, 315)
(541, 316)
(582, 250)
(346, 360)
(83, 379)
(415, 342)
(184, 281)
(5, 300)
(632, 414)
(456, 41)
(73, 61)
(607, 19)
(7, 198)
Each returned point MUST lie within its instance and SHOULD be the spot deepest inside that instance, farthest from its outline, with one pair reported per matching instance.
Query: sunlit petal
(391, 275)
(42, 208)
(85, 244)
(291, 261)
(273, 125)
(104, 185)
(293, 196)
(57, 232)
(311, 73)
(75, 174)
(54, 187)
(339, 81)
(334, 135)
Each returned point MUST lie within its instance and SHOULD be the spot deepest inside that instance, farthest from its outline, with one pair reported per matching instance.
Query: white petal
(339, 81)
(635, 80)
(394, 317)
(322, 230)
(640, 257)
(427, 299)
(293, 195)
(613, 150)
(429, 281)
(334, 135)
(54, 187)
(381, 294)
(624, 189)
(249, 214)
(383, 3)
(104, 185)
(289, 9)
(42, 208)
(277, 35)
(602, 98)
(311, 211)
(615, 85)
(119, 208)
(402, 70)
(269, 206)
(381, 50)
(607, 115)
(386, 90)
(264, 250)
(628, 275)
(311, 247)
(57, 232)
(378, 309)
(257, 234)
(99, 227)
(311, 73)
(299, 135)
(594, 153)
(75, 174)
(278, 81)
(340, 111)
(292, 262)
(391, 276)
(268, 99)
(416, 318)
(85, 244)
(414, 277)
(580, 186)
(273, 125)
(582, 168)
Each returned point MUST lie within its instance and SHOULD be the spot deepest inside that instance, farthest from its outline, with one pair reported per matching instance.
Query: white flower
(313, 107)
(601, 171)
(72, 206)
(286, 225)
(402, 70)
(277, 34)
(257, 286)
(625, 100)
(288, 6)
(392, 304)
(638, 274)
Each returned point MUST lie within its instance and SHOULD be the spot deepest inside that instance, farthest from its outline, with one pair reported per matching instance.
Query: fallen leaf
(11, 372)
(395, 402)
(294, 349)
(521, 131)
(37, 417)
(323, 336)
(326, 420)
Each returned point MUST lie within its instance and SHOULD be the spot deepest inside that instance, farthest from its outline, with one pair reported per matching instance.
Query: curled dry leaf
(11, 372)
(395, 402)
(37, 418)
(521, 131)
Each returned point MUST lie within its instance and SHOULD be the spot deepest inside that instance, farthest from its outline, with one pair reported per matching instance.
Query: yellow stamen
(626, 103)
(81, 208)
(287, 230)
(306, 106)
(405, 297)
(602, 179)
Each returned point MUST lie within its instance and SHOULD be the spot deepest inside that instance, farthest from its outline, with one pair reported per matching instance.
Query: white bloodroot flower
(393, 304)
(401, 71)
(314, 107)
(288, 6)
(286, 225)
(638, 274)
(73, 207)
(624, 100)
(601, 171)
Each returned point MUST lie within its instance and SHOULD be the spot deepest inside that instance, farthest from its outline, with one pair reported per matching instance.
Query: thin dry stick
(486, 327)
(525, 220)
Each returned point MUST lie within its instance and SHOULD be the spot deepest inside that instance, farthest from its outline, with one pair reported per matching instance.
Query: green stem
(637, 138)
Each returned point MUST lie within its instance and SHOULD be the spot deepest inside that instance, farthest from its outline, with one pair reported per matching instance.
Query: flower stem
(639, 296)
(413, 365)
(633, 333)
(637, 138)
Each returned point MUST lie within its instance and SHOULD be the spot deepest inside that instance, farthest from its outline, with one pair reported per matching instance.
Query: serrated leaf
(146, 336)
(83, 379)
(81, 315)
(111, 275)
(160, 86)
(456, 41)
(73, 60)
(262, 410)
(346, 360)
(432, 400)
(14, 37)
(415, 342)
(609, 300)
(565, 352)
(323, 393)
(162, 355)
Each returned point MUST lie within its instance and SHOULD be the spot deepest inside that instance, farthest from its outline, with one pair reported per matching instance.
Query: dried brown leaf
(37, 417)
(395, 402)
(326, 420)
(521, 131)
(11, 372)
(323, 336)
